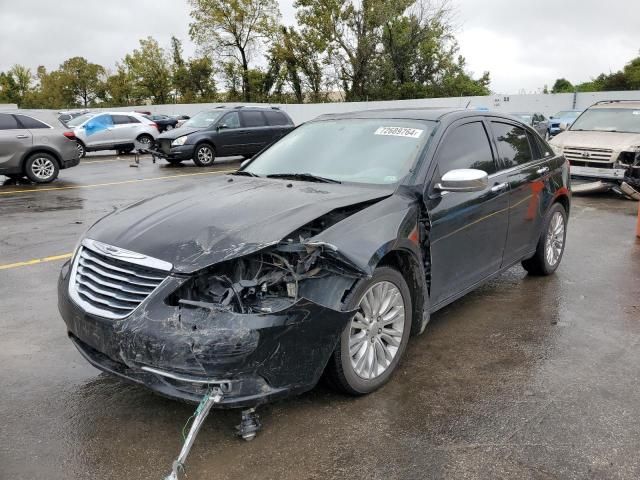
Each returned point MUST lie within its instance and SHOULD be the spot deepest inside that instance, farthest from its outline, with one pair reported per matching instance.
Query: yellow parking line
(73, 187)
(35, 261)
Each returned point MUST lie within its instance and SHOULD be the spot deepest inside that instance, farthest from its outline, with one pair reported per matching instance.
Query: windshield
(74, 122)
(203, 119)
(609, 120)
(377, 151)
(566, 115)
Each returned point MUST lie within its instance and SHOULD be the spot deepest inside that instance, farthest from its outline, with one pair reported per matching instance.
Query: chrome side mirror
(223, 126)
(245, 162)
(464, 180)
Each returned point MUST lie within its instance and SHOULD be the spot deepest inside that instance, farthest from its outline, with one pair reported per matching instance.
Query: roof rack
(238, 107)
(599, 102)
(275, 108)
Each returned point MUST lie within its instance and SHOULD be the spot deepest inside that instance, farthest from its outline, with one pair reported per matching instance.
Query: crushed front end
(262, 326)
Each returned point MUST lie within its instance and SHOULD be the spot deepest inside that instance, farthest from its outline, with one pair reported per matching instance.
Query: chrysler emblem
(116, 252)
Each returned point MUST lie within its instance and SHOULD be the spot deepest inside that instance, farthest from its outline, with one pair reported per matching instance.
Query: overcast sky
(524, 44)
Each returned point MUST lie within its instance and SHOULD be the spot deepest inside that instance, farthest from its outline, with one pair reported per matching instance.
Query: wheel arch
(412, 270)
(563, 199)
(39, 149)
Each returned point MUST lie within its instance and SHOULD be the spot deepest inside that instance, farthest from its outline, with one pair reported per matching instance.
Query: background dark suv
(224, 132)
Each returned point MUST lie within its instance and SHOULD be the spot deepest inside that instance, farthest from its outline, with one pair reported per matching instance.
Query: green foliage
(82, 81)
(562, 85)
(149, 66)
(626, 79)
(233, 30)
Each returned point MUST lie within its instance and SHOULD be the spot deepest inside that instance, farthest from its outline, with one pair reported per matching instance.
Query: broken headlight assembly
(264, 282)
(630, 157)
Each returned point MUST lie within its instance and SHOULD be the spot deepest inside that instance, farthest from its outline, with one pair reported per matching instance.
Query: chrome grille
(590, 155)
(112, 282)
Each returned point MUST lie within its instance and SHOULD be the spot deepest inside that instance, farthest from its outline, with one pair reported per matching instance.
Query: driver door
(230, 137)
(468, 229)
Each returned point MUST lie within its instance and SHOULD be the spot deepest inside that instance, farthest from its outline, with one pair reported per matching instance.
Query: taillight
(154, 124)
(70, 135)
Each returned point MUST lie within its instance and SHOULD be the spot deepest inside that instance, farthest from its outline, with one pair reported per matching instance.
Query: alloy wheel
(43, 168)
(205, 155)
(376, 330)
(80, 149)
(554, 242)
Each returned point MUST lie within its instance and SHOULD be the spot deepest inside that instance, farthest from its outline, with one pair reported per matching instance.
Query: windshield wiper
(308, 177)
(244, 173)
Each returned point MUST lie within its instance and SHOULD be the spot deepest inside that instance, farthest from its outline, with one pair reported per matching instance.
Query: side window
(101, 122)
(231, 120)
(120, 119)
(513, 144)
(466, 147)
(276, 118)
(253, 119)
(31, 123)
(544, 149)
(7, 122)
(133, 119)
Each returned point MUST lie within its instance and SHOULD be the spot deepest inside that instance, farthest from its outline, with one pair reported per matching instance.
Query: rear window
(513, 144)
(276, 118)
(31, 123)
(253, 119)
(7, 122)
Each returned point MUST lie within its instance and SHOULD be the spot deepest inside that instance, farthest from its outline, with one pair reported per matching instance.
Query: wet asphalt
(524, 378)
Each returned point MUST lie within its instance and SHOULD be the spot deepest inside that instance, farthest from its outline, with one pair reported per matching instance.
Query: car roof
(45, 116)
(631, 104)
(425, 113)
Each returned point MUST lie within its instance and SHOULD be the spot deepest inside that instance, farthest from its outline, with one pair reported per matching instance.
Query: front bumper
(176, 351)
(616, 174)
(183, 152)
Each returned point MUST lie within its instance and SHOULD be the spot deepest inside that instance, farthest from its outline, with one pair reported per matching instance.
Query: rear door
(528, 177)
(258, 133)
(14, 141)
(124, 128)
(468, 229)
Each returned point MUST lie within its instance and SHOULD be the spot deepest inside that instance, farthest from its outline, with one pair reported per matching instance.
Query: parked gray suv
(34, 148)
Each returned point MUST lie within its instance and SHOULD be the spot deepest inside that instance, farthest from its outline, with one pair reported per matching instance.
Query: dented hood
(616, 141)
(218, 220)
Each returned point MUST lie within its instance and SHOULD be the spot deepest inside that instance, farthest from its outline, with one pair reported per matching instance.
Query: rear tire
(41, 168)
(373, 342)
(82, 151)
(204, 155)
(125, 152)
(550, 247)
(145, 140)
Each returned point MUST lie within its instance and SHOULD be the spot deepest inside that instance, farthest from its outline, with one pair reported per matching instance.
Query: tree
(120, 87)
(234, 30)
(562, 85)
(351, 31)
(83, 80)
(149, 66)
(15, 85)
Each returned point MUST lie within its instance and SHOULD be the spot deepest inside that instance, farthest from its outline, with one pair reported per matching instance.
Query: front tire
(373, 342)
(204, 155)
(41, 168)
(550, 247)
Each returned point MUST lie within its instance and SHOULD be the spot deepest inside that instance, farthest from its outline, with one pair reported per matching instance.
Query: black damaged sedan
(321, 256)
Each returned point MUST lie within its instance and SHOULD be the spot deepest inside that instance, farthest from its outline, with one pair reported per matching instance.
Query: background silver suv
(34, 147)
(113, 131)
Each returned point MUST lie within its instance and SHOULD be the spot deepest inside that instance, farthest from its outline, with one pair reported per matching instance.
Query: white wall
(547, 104)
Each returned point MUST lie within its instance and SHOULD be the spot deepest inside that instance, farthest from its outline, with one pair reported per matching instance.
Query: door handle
(499, 187)
(22, 136)
(542, 170)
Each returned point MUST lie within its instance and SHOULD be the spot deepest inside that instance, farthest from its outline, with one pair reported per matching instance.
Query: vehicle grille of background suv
(111, 287)
(594, 156)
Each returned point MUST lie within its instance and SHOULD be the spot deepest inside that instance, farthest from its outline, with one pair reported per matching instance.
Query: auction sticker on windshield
(399, 132)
